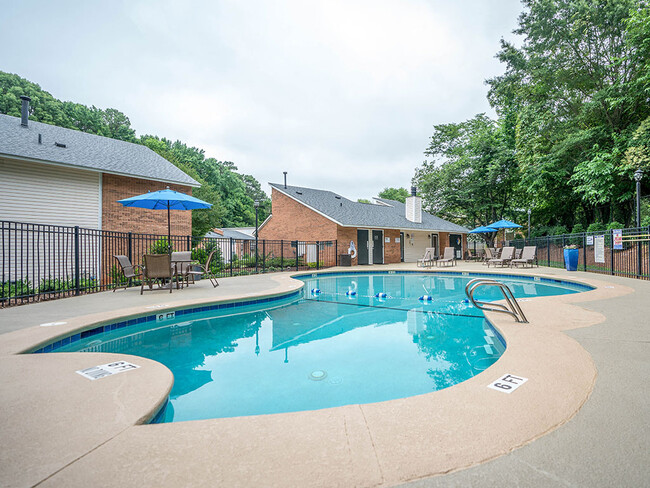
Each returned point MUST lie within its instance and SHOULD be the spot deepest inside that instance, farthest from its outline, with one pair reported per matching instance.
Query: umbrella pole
(169, 230)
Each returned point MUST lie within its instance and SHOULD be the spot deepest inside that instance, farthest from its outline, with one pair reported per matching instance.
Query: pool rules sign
(507, 383)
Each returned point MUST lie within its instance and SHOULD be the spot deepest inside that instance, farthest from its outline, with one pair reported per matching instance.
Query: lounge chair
(507, 253)
(129, 271)
(448, 257)
(157, 268)
(488, 255)
(427, 259)
(204, 269)
(528, 256)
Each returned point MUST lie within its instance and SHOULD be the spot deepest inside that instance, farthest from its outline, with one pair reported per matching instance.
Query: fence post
(638, 253)
(336, 252)
(189, 243)
(263, 255)
(584, 250)
(317, 253)
(548, 251)
(232, 255)
(77, 271)
(129, 249)
(611, 250)
(281, 254)
(297, 247)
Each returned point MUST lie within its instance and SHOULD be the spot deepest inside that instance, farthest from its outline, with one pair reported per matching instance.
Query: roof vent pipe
(24, 110)
(414, 191)
(285, 179)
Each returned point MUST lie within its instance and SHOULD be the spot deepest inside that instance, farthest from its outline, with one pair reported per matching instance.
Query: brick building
(383, 232)
(57, 176)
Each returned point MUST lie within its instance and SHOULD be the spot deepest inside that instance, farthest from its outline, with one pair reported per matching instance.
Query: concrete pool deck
(585, 406)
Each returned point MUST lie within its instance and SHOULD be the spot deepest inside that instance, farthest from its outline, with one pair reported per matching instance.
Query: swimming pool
(319, 350)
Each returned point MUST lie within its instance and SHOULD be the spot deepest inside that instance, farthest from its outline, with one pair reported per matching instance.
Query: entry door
(401, 246)
(377, 247)
(362, 246)
(434, 244)
(456, 241)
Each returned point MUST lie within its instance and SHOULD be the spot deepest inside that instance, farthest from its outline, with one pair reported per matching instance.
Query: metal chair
(204, 270)
(129, 271)
(157, 269)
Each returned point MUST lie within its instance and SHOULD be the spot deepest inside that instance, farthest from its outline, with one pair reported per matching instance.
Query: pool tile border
(53, 346)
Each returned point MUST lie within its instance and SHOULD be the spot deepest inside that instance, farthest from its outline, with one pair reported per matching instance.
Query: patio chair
(518, 253)
(182, 264)
(129, 271)
(528, 256)
(204, 269)
(427, 259)
(448, 257)
(507, 253)
(488, 255)
(157, 269)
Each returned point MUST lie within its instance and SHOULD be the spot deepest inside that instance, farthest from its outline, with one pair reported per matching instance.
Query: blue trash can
(571, 257)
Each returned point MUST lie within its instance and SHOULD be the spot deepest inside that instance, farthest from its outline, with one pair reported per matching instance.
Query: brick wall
(115, 217)
(344, 235)
(392, 248)
(291, 220)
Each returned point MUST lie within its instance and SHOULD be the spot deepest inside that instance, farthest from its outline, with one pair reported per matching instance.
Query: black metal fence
(41, 262)
(599, 252)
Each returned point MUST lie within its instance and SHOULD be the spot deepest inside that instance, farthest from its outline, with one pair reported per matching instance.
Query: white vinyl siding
(48, 194)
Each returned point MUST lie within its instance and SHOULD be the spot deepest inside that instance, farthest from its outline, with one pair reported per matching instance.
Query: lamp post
(257, 206)
(638, 175)
(529, 212)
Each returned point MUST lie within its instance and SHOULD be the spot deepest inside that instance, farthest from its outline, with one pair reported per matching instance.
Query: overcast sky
(341, 94)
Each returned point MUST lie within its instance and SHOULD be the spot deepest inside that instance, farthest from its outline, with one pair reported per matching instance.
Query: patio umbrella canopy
(165, 199)
(504, 224)
(483, 230)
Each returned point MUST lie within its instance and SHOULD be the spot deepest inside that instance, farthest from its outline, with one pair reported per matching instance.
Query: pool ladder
(511, 307)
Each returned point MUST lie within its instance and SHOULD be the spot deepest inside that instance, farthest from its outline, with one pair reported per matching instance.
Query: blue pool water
(321, 350)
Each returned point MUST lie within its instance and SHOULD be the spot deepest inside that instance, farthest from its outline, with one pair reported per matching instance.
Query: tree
(397, 194)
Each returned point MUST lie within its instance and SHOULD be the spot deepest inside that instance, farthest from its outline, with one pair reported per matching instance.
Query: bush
(16, 289)
(596, 227)
(614, 225)
(539, 231)
(558, 230)
(578, 229)
(160, 246)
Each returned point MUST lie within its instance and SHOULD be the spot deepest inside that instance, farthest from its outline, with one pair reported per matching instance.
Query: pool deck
(581, 419)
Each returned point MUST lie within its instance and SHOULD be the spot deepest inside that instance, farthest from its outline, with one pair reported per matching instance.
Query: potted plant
(571, 257)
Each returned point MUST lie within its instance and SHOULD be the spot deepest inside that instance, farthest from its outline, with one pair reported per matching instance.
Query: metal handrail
(511, 307)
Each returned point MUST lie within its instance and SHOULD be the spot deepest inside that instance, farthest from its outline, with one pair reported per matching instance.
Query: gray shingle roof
(86, 151)
(391, 215)
(230, 233)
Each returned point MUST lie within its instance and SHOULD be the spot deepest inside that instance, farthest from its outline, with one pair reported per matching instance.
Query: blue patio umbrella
(165, 199)
(483, 230)
(504, 224)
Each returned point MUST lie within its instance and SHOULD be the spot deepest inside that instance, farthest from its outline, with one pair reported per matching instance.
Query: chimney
(414, 207)
(24, 110)
(285, 179)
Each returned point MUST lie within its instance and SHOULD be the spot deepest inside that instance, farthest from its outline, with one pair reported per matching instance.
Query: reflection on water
(324, 350)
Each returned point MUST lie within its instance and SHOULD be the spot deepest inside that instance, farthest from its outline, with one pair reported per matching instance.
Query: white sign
(590, 240)
(507, 383)
(161, 317)
(103, 370)
(386, 239)
(397, 240)
(599, 249)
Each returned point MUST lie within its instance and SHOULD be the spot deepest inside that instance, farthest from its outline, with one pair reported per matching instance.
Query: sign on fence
(590, 240)
(618, 238)
(599, 249)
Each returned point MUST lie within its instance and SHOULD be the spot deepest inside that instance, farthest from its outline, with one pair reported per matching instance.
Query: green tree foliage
(470, 175)
(397, 194)
(230, 193)
(363, 200)
(573, 122)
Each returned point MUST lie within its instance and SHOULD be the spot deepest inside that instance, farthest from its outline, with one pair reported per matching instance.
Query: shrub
(578, 229)
(558, 230)
(160, 246)
(16, 289)
(596, 227)
(614, 225)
